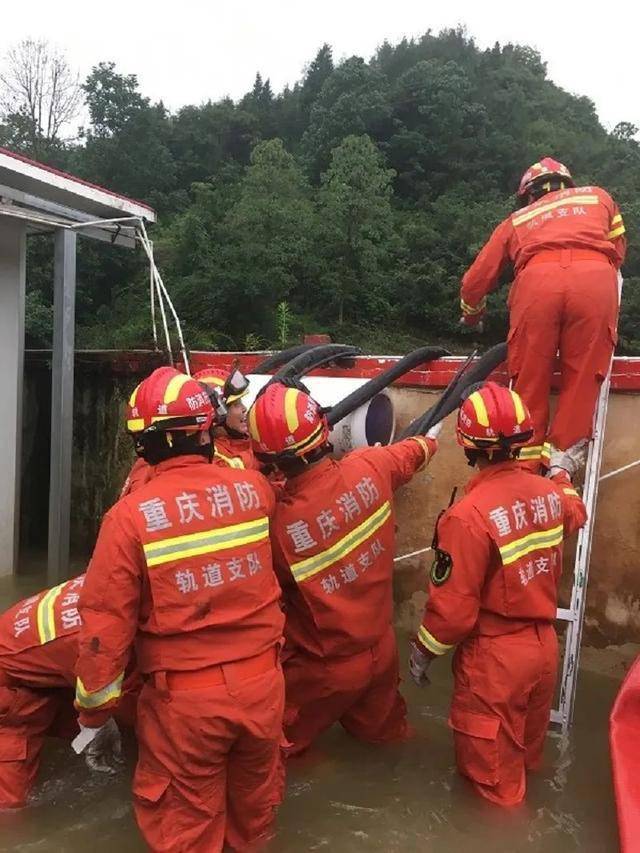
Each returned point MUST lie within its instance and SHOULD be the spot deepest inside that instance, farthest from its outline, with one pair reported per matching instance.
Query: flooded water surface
(348, 797)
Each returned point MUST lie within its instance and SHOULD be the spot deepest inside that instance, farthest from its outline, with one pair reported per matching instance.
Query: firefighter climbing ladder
(574, 614)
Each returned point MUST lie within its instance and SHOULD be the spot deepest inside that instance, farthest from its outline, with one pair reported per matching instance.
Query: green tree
(271, 232)
(352, 101)
(126, 143)
(356, 231)
(319, 220)
(203, 139)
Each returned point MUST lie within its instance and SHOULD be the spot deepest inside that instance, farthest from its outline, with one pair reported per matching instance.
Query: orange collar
(490, 472)
(179, 462)
(310, 474)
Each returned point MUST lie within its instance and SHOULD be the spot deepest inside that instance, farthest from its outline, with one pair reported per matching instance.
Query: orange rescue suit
(183, 569)
(38, 652)
(566, 249)
(141, 472)
(493, 593)
(232, 452)
(334, 544)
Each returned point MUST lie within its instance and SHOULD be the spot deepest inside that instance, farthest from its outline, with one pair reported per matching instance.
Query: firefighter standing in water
(566, 244)
(493, 594)
(183, 568)
(38, 653)
(333, 537)
(232, 444)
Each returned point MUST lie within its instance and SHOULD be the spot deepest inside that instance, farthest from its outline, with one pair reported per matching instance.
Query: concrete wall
(103, 452)
(103, 455)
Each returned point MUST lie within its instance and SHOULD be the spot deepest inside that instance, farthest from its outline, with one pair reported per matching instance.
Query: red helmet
(493, 418)
(285, 421)
(169, 400)
(232, 384)
(545, 168)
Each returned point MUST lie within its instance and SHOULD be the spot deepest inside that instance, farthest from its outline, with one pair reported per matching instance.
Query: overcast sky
(192, 51)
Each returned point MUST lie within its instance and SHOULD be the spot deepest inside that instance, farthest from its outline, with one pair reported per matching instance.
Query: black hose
(451, 399)
(277, 359)
(315, 357)
(368, 391)
(431, 414)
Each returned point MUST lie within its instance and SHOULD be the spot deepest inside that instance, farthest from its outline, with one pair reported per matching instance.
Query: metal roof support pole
(64, 300)
(12, 296)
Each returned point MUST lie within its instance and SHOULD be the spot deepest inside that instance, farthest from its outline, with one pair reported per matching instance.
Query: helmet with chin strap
(493, 418)
(540, 174)
(286, 423)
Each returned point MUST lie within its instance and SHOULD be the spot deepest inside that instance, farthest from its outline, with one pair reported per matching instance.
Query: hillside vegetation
(349, 203)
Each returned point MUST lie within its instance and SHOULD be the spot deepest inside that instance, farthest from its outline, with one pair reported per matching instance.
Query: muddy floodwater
(347, 797)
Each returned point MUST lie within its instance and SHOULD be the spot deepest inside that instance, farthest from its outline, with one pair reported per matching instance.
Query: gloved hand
(570, 460)
(469, 328)
(419, 663)
(102, 747)
(434, 432)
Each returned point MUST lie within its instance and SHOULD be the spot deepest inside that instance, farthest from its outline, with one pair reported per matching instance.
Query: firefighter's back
(335, 531)
(209, 591)
(39, 636)
(523, 515)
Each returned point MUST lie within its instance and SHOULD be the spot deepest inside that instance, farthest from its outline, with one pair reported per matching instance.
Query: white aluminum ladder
(574, 614)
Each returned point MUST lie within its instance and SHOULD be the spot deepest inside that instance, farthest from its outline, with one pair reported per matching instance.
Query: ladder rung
(575, 615)
(566, 615)
(555, 716)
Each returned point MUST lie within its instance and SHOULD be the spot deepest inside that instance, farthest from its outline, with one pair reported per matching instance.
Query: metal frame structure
(35, 198)
(574, 614)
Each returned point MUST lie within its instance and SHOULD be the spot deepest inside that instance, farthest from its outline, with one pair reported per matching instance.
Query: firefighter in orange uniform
(566, 244)
(493, 594)
(333, 537)
(38, 652)
(183, 569)
(141, 472)
(232, 445)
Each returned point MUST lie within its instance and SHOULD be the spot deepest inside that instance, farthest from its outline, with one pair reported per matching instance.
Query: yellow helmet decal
(480, 409)
(132, 398)
(291, 409)
(253, 425)
(173, 388)
(519, 407)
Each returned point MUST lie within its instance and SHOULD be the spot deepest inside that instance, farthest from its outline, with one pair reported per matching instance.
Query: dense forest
(349, 203)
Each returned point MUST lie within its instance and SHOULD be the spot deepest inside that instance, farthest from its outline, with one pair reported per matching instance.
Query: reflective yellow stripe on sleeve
(571, 492)
(470, 309)
(206, 542)
(429, 642)
(531, 542)
(45, 616)
(231, 461)
(535, 451)
(86, 699)
(617, 232)
(422, 441)
(312, 565)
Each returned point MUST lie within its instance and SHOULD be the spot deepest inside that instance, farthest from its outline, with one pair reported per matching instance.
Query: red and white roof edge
(78, 187)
